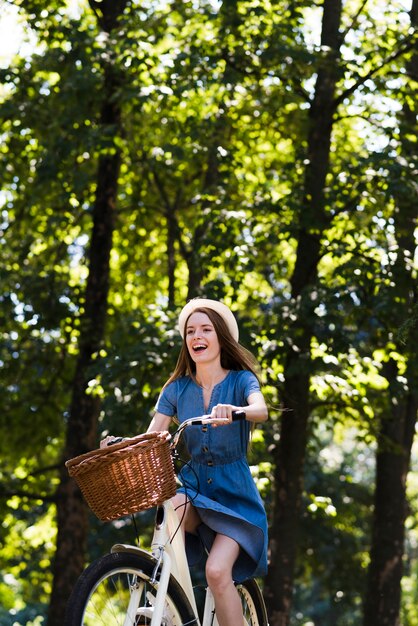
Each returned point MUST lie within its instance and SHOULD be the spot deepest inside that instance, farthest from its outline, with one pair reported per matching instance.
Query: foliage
(215, 100)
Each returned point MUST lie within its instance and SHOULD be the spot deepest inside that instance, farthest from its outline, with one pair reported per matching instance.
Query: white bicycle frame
(168, 550)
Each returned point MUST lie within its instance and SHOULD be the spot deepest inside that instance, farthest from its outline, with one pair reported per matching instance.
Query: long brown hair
(233, 355)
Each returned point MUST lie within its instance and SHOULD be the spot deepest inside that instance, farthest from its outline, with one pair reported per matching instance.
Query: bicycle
(135, 587)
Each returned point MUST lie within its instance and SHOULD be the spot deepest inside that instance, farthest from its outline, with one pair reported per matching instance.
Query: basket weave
(126, 477)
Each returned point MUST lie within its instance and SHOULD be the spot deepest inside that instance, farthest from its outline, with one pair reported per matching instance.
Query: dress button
(209, 481)
(205, 449)
(204, 429)
(210, 463)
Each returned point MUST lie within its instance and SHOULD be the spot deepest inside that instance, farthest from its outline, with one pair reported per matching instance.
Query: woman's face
(201, 339)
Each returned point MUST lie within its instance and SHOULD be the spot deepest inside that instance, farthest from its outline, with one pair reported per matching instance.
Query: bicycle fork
(163, 580)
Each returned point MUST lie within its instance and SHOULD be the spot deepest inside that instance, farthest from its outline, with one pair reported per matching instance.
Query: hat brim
(214, 305)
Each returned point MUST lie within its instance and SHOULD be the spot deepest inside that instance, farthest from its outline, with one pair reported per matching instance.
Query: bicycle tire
(252, 601)
(102, 593)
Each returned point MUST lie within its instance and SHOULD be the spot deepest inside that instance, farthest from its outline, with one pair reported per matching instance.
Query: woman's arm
(159, 422)
(255, 411)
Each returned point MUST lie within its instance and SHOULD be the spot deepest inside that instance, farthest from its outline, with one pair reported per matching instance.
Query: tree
(318, 217)
(238, 165)
(397, 421)
(84, 409)
(312, 222)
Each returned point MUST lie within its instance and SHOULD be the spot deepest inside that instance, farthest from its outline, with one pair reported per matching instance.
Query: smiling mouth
(199, 348)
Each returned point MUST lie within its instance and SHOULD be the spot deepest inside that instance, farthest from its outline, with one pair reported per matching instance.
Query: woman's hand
(107, 441)
(255, 411)
(223, 412)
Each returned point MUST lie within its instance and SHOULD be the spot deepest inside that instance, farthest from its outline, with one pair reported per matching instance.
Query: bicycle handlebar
(205, 419)
(194, 421)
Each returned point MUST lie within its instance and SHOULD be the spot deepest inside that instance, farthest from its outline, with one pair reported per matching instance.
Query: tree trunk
(171, 258)
(84, 410)
(212, 178)
(290, 453)
(396, 435)
(397, 427)
(196, 269)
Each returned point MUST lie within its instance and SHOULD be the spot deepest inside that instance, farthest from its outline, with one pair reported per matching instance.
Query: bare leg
(219, 565)
(186, 512)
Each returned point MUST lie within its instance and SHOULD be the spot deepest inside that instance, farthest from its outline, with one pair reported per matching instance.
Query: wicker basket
(133, 475)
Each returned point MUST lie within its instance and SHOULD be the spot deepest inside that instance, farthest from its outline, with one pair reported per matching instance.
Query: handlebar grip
(238, 415)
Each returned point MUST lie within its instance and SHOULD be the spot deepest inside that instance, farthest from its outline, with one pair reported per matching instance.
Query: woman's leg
(221, 559)
(186, 512)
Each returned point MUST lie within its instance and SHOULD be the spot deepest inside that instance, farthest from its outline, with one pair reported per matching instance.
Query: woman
(216, 375)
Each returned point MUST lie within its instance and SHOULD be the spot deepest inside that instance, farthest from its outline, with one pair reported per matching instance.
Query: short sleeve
(167, 401)
(250, 384)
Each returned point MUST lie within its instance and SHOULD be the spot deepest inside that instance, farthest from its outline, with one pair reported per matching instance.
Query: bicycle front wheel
(116, 590)
(252, 601)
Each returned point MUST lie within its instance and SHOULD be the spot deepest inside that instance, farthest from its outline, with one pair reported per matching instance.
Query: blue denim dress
(217, 479)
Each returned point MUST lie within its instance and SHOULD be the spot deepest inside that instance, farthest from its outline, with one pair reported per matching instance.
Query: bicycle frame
(168, 551)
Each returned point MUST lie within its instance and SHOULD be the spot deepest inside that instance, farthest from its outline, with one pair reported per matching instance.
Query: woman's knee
(217, 575)
(220, 562)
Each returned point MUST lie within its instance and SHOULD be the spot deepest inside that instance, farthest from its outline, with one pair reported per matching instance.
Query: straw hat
(215, 305)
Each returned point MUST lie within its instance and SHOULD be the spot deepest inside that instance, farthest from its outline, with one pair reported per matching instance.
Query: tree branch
(354, 20)
(408, 44)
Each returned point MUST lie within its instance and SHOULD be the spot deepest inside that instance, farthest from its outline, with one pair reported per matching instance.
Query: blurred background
(259, 152)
